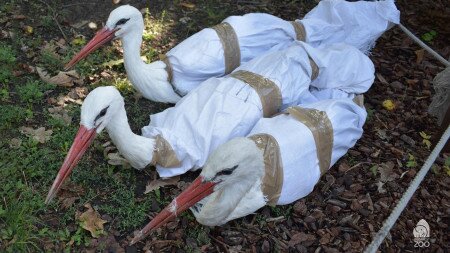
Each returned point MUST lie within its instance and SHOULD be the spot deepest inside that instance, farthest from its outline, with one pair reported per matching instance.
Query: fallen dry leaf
(188, 5)
(50, 48)
(380, 187)
(91, 221)
(68, 202)
(40, 134)
(60, 113)
(387, 174)
(15, 143)
(78, 92)
(388, 105)
(419, 53)
(157, 183)
(28, 29)
(64, 79)
(386, 171)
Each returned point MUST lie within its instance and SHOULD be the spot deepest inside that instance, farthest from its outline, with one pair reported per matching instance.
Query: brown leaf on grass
(64, 79)
(61, 114)
(188, 5)
(40, 134)
(68, 202)
(78, 92)
(157, 183)
(91, 221)
(69, 193)
(15, 143)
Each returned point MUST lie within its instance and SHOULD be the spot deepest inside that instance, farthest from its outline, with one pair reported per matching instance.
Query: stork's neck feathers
(138, 150)
(132, 50)
(149, 79)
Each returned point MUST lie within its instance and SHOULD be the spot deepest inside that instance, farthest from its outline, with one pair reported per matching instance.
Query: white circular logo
(422, 229)
(421, 234)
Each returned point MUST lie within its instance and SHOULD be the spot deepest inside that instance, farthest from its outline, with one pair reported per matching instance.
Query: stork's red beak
(82, 141)
(102, 36)
(198, 190)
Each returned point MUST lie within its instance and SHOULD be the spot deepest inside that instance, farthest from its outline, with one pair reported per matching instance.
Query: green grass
(13, 115)
(33, 91)
(7, 59)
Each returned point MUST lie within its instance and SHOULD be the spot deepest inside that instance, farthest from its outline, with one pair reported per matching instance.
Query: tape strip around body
(315, 69)
(169, 71)
(359, 100)
(230, 44)
(322, 130)
(299, 29)
(272, 181)
(163, 154)
(268, 91)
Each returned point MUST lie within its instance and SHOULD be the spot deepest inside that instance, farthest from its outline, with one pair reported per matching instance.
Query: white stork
(180, 138)
(203, 55)
(242, 176)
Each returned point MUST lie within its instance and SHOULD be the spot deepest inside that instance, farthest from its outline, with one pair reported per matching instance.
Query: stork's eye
(227, 172)
(102, 113)
(122, 21)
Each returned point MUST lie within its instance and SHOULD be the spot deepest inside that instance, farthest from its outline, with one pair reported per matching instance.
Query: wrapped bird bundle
(227, 107)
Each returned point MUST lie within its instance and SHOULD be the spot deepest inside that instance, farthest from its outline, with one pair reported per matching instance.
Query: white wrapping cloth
(200, 56)
(355, 23)
(223, 108)
(298, 150)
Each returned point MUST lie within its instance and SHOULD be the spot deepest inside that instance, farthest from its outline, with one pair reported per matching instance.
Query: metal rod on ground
(424, 46)
(390, 221)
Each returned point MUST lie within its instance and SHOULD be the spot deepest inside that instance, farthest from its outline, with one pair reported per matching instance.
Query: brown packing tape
(359, 100)
(163, 154)
(272, 181)
(169, 71)
(322, 130)
(300, 31)
(230, 44)
(268, 91)
(315, 69)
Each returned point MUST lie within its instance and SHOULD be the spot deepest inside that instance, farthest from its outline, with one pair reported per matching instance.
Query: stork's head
(99, 107)
(230, 172)
(122, 22)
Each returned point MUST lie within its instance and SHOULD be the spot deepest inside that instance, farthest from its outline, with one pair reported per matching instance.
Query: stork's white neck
(132, 51)
(149, 79)
(138, 150)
